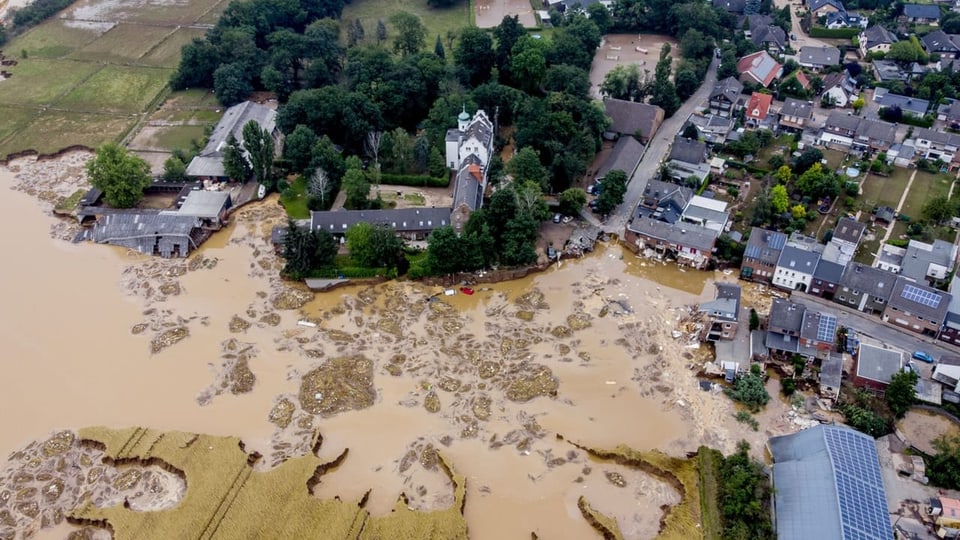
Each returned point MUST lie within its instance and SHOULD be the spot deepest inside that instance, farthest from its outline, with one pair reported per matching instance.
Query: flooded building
(468, 151)
(795, 268)
(689, 244)
(409, 223)
(831, 375)
(761, 254)
(208, 164)
(722, 313)
(795, 328)
(167, 235)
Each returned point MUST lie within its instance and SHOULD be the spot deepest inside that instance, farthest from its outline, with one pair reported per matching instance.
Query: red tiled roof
(803, 80)
(759, 103)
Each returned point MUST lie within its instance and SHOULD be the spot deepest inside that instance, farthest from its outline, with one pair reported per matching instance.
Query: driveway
(803, 39)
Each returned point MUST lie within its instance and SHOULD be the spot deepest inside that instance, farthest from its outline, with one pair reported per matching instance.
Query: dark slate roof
(877, 130)
(918, 299)
(765, 245)
(210, 160)
(841, 120)
(726, 305)
(688, 150)
(819, 56)
(827, 484)
(625, 157)
(939, 41)
(401, 220)
(817, 4)
(733, 6)
(867, 279)
(849, 230)
(686, 234)
(937, 136)
(886, 213)
(786, 314)
(469, 183)
(923, 11)
(912, 105)
(878, 35)
(729, 88)
(797, 108)
(799, 260)
(628, 117)
(782, 342)
(877, 363)
(920, 255)
(828, 271)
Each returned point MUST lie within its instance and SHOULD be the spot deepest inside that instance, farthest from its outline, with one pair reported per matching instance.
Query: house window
(878, 300)
(856, 292)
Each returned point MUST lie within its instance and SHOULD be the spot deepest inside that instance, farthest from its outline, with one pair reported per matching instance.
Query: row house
(909, 105)
(818, 58)
(844, 131)
(921, 14)
(826, 279)
(951, 324)
(794, 328)
(795, 268)
(917, 308)
(865, 288)
(725, 98)
(938, 145)
(929, 264)
(796, 113)
(761, 254)
(722, 313)
(689, 244)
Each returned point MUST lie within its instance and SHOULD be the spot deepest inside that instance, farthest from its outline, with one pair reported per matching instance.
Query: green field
(437, 21)
(122, 89)
(55, 130)
(56, 38)
(884, 190)
(167, 52)
(14, 119)
(180, 137)
(925, 187)
(41, 82)
(124, 43)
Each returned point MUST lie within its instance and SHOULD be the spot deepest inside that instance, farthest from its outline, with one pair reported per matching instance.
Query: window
(843, 298)
(878, 300)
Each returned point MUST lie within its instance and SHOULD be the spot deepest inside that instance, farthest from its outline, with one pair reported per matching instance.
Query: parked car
(590, 189)
(557, 218)
(923, 357)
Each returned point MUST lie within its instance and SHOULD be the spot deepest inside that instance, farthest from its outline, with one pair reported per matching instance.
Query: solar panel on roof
(827, 328)
(921, 296)
(863, 508)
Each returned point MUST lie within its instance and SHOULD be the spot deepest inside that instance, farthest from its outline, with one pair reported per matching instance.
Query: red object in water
(466, 290)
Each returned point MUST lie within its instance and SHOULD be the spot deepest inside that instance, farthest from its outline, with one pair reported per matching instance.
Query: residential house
(818, 333)
(921, 14)
(839, 89)
(831, 375)
(766, 35)
(935, 145)
(795, 268)
(709, 213)
(845, 19)
(909, 105)
(818, 58)
(796, 114)
(632, 118)
(783, 326)
(625, 157)
(208, 164)
(759, 68)
(875, 366)
(801, 79)
(469, 148)
(876, 39)
(848, 233)
(664, 201)
(723, 313)
(826, 279)
(902, 154)
(865, 288)
(917, 307)
(942, 43)
(761, 254)
(950, 113)
(886, 71)
(725, 99)
(757, 108)
(890, 258)
(690, 244)
(929, 264)
(730, 6)
(408, 223)
(688, 157)
(846, 132)
(821, 8)
(713, 128)
(951, 324)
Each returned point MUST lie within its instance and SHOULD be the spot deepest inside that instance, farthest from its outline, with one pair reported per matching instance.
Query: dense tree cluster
(121, 176)
(943, 468)
(744, 497)
(306, 250)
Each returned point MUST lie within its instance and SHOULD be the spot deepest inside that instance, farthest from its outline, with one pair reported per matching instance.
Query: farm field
(439, 21)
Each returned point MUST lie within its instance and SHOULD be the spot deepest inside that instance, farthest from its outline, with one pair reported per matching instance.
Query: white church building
(468, 151)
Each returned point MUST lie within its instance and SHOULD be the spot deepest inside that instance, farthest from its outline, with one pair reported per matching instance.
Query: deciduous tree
(411, 33)
(260, 151)
(374, 246)
(298, 147)
(614, 188)
(779, 199)
(474, 56)
(121, 176)
(525, 166)
(901, 393)
(572, 201)
(174, 170)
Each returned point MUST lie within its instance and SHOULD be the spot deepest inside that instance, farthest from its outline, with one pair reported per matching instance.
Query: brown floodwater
(78, 321)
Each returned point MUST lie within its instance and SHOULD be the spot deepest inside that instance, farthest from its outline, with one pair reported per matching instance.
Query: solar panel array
(863, 505)
(921, 296)
(827, 328)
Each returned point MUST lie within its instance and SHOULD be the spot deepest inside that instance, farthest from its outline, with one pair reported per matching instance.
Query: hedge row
(836, 33)
(413, 180)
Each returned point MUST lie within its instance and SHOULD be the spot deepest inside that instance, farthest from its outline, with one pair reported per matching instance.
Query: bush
(788, 386)
(733, 192)
(898, 243)
(865, 420)
(849, 202)
(746, 418)
(837, 33)
(413, 180)
(750, 391)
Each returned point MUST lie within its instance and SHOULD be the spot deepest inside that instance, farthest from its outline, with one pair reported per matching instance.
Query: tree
(445, 251)
(320, 187)
(411, 33)
(807, 159)
(519, 237)
(691, 132)
(474, 56)
(614, 188)
(907, 51)
(235, 164)
(357, 189)
(260, 151)
(626, 82)
(749, 390)
(950, 22)
(779, 199)
(664, 93)
(687, 81)
(174, 170)
(507, 33)
(438, 48)
(939, 209)
(784, 174)
(901, 393)
(754, 320)
(381, 32)
(528, 64)
(858, 104)
(374, 246)
(530, 200)
(943, 468)
(601, 17)
(298, 147)
(572, 201)
(798, 211)
(525, 166)
(198, 60)
(121, 176)
(306, 250)
(231, 84)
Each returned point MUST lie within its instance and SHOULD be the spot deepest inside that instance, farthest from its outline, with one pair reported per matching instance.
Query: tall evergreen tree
(438, 48)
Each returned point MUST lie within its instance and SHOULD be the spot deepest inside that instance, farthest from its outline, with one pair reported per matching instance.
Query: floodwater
(498, 381)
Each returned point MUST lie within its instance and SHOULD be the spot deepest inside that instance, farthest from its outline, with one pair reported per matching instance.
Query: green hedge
(413, 180)
(837, 33)
(353, 272)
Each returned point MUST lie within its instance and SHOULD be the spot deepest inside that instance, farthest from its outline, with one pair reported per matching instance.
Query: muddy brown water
(585, 342)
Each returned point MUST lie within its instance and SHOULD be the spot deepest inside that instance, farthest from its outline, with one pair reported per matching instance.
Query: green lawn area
(180, 137)
(14, 120)
(56, 38)
(781, 145)
(167, 52)
(868, 250)
(40, 82)
(294, 199)
(124, 89)
(55, 130)
(124, 43)
(833, 157)
(884, 190)
(708, 467)
(925, 187)
(437, 20)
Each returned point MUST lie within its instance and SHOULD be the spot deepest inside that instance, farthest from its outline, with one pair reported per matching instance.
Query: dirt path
(889, 229)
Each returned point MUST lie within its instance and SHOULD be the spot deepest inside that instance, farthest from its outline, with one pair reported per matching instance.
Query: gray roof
(769, 34)
(885, 213)
(940, 137)
(828, 271)
(920, 256)
(912, 105)
(878, 35)
(210, 160)
(878, 364)
(688, 151)
(940, 41)
(203, 204)
(726, 305)
(867, 279)
(827, 484)
(923, 11)
(401, 220)
(147, 232)
(920, 300)
(786, 314)
(765, 245)
(831, 370)
(628, 117)
(877, 130)
(728, 88)
(849, 230)
(469, 183)
(817, 4)
(819, 326)
(818, 56)
(686, 234)
(798, 260)
(889, 71)
(797, 108)
(696, 211)
(951, 109)
(782, 342)
(625, 157)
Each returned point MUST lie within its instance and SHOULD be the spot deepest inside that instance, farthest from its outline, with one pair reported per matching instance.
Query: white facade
(839, 96)
(790, 278)
(464, 140)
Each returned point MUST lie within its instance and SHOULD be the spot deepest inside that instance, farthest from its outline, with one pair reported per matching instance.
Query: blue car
(923, 357)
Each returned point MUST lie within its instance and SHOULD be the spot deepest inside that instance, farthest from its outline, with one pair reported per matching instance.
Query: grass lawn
(56, 38)
(54, 130)
(884, 190)
(190, 99)
(124, 43)
(868, 250)
(167, 52)
(175, 137)
(294, 199)
(123, 89)
(833, 157)
(14, 120)
(40, 82)
(781, 146)
(708, 466)
(437, 20)
(925, 187)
